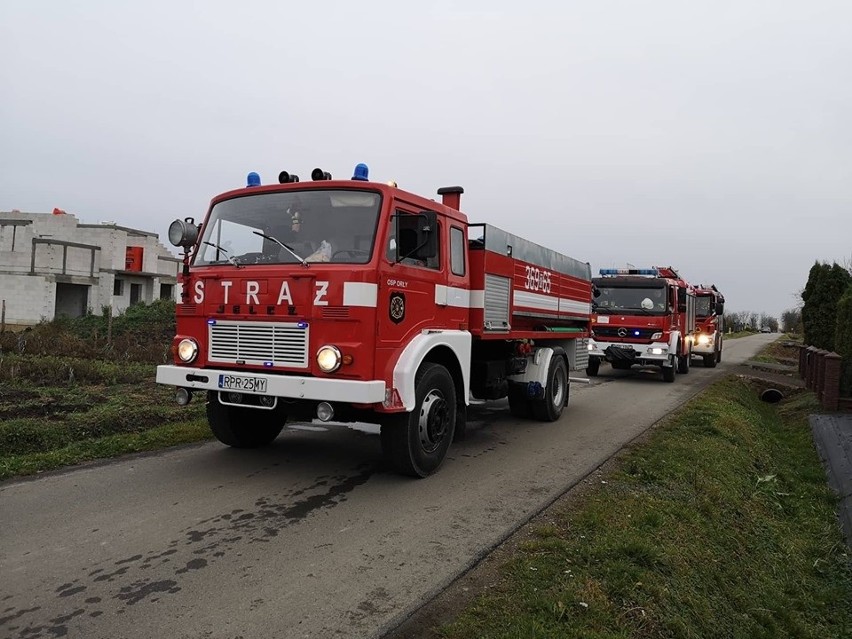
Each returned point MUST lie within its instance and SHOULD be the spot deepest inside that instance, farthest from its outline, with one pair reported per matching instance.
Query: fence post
(803, 360)
(820, 373)
(3, 316)
(831, 397)
(809, 367)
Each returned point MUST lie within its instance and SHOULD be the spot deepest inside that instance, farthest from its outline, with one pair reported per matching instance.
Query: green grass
(43, 427)
(103, 447)
(721, 525)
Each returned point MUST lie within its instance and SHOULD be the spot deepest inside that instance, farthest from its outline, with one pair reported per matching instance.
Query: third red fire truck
(644, 317)
(709, 316)
(351, 300)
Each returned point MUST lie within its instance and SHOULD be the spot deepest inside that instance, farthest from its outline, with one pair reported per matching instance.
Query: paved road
(310, 538)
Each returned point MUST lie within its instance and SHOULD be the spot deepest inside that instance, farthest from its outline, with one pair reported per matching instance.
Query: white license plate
(242, 383)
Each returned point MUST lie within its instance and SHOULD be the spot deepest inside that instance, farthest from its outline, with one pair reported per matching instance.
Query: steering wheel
(351, 252)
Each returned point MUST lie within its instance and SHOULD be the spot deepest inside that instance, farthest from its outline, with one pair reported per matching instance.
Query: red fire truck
(709, 315)
(351, 300)
(644, 317)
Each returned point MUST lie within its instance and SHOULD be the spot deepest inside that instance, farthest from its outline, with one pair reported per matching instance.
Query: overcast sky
(712, 136)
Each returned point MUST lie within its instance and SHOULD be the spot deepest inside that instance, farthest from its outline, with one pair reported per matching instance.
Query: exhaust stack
(451, 196)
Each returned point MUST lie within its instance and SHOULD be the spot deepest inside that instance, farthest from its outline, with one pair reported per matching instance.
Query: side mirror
(427, 235)
(183, 232)
(720, 308)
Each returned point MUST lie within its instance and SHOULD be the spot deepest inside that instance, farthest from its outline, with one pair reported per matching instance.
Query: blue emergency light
(361, 172)
(252, 179)
(629, 271)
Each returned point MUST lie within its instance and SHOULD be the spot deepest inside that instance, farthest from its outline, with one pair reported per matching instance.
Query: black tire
(549, 407)
(519, 402)
(719, 356)
(416, 443)
(593, 366)
(670, 372)
(683, 363)
(710, 361)
(243, 427)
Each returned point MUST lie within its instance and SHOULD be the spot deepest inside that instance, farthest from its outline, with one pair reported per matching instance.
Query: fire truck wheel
(719, 356)
(670, 372)
(593, 366)
(549, 407)
(243, 427)
(683, 363)
(519, 402)
(416, 443)
(710, 361)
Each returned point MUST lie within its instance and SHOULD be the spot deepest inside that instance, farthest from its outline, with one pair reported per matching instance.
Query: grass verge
(720, 525)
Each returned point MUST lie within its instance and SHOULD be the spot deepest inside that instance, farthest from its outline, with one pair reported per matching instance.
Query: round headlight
(328, 358)
(703, 340)
(187, 350)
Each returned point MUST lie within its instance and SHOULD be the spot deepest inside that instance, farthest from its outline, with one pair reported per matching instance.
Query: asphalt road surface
(311, 537)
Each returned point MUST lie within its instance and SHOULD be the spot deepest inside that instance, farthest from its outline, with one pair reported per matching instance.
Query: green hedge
(843, 341)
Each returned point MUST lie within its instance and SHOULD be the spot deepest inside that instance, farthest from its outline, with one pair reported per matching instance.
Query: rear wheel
(719, 356)
(549, 407)
(416, 443)
(243, 427)
(593, 366)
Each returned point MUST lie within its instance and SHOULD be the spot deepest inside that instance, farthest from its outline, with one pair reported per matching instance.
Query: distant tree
(791, 320)
(826, 284)
(772, 323)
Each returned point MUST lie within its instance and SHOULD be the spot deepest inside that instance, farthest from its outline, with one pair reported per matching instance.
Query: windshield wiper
(643, 311)
(282, 245)
(601, 310)
(228, 256)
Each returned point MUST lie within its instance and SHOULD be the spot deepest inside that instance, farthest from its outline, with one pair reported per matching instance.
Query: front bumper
(653, 354)
(285, 386)
(704, 349)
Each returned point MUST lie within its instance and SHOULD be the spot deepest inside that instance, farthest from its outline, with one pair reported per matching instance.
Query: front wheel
(549, 407)
(243, 427)
(710, 361)
(593, 366)
(416, 443)
(683, 363)
(670, 372)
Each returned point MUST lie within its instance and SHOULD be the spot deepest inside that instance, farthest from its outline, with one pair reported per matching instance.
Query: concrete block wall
(29, 298)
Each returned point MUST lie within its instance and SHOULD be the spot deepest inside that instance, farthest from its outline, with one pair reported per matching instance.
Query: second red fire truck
(351, 300)
(709, 315)
(642, 317)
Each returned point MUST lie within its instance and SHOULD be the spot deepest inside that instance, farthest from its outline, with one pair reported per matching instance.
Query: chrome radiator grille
(281, 343)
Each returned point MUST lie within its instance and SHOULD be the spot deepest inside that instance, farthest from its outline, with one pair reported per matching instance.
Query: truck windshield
(629, 300)
(314, 225)
(704, 306)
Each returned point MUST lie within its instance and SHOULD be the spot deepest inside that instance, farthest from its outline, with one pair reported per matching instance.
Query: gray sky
(712, 136)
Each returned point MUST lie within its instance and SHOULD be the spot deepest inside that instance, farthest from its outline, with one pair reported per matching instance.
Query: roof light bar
(629, 271)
